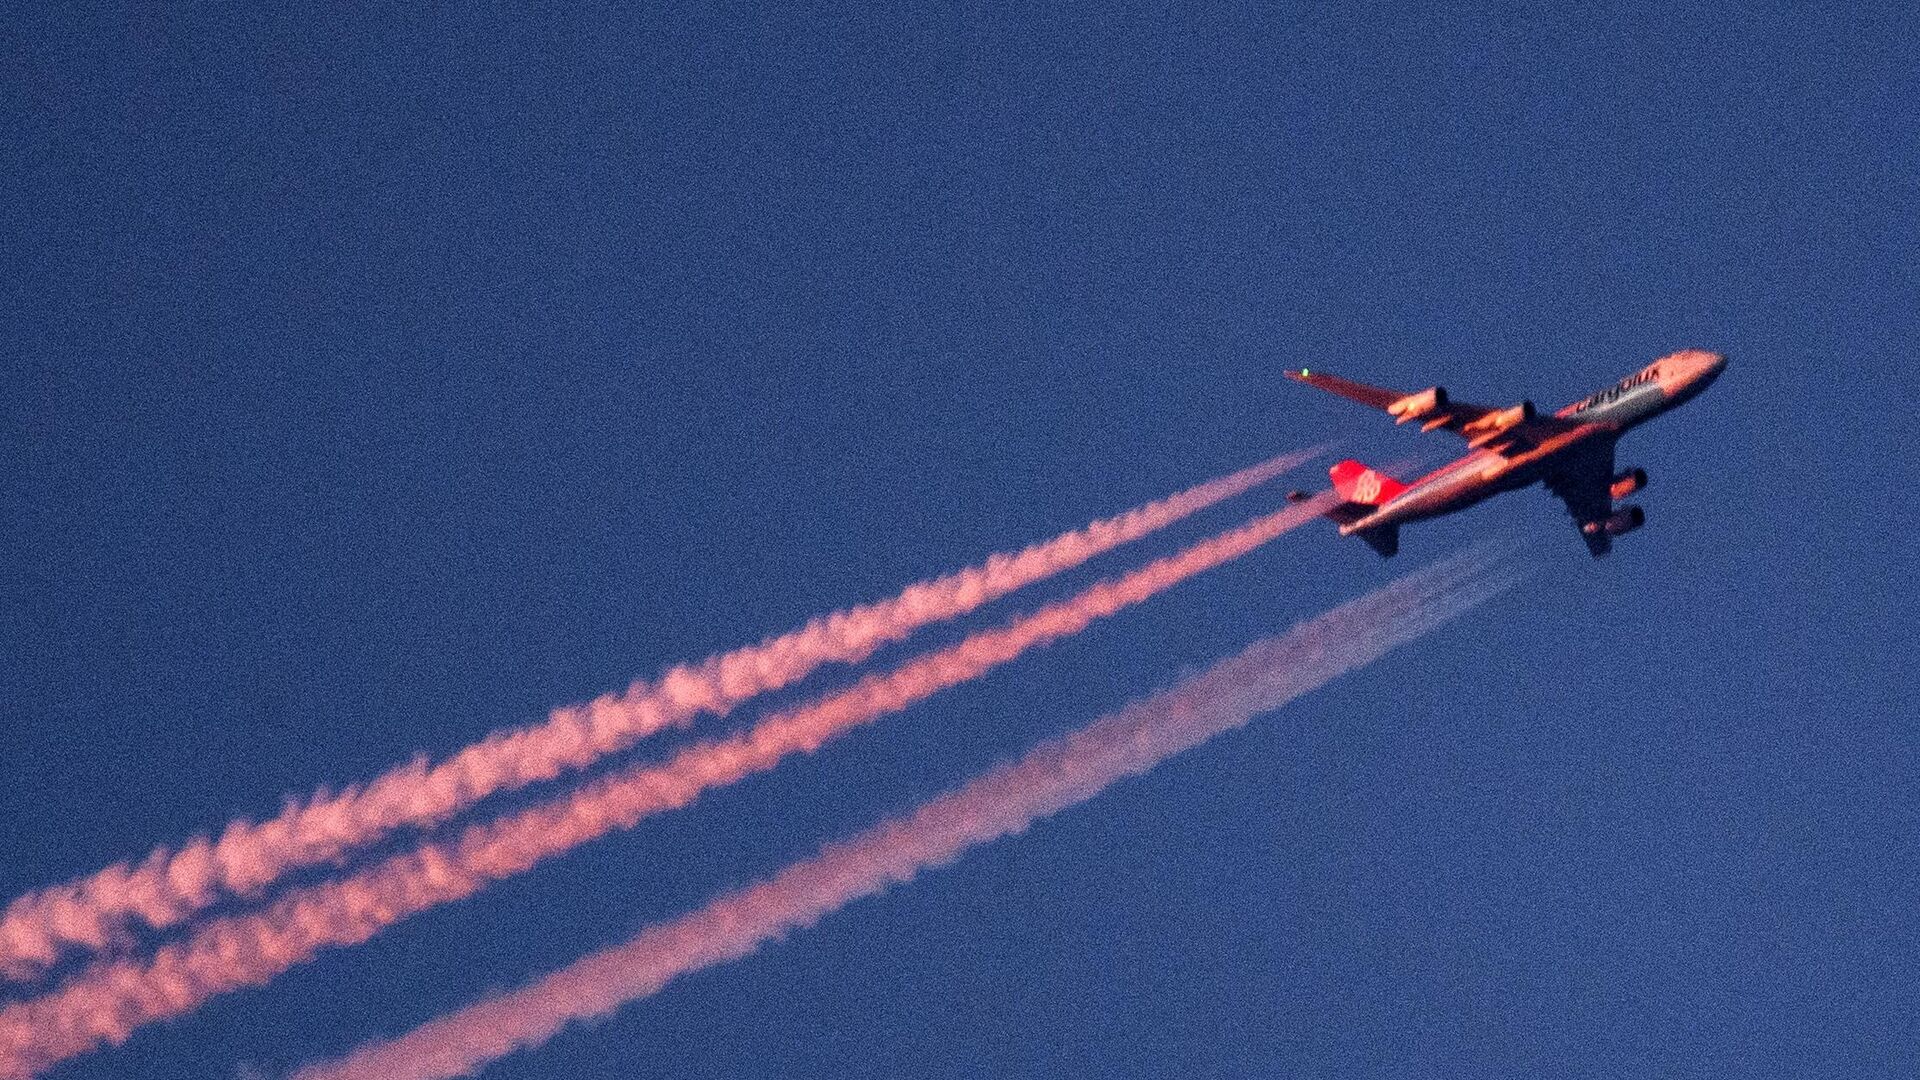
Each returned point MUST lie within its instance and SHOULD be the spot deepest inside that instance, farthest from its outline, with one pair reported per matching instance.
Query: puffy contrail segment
(1055, 775)
(169, 887)
(106, 1002)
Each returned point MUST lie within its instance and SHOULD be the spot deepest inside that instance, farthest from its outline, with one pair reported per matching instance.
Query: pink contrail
(1055, 775)
(108, 1001)
(169, 887)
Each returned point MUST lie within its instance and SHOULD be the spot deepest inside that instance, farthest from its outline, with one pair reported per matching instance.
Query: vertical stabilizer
(1356, 483)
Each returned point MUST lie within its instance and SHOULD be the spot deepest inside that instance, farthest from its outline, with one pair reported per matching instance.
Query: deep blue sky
(374, 381)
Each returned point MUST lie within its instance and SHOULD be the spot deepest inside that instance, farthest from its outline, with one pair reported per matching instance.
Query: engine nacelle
(1627, 483)
(1414, 406)
(1496, 423)
(1624, 521)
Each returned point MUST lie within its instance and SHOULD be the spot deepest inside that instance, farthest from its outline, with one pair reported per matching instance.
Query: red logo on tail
(1359, 484)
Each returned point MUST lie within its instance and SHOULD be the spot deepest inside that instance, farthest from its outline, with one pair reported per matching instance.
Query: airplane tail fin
(1356, 483)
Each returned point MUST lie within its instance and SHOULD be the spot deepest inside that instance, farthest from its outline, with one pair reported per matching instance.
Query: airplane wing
(1374, 397)
(1505, 431)
(1582, 478)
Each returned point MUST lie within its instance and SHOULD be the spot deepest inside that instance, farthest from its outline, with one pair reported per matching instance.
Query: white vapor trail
(102, 912)
(1057, 774)
(107, 1001)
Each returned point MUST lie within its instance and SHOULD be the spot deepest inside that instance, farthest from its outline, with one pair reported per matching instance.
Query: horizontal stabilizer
(1348, 513)
(1384, 539)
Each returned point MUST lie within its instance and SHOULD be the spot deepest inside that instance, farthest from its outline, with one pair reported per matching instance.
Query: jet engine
(1627, 483)
(1624, 521)
(1414, 406)
(1497, 423)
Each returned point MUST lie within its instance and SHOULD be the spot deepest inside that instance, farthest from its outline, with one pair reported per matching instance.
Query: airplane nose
(1710, 368)
(1687, 372)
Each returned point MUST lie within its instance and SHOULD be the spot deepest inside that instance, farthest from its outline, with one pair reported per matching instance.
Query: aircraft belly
(1457, 493)
(1443, 496)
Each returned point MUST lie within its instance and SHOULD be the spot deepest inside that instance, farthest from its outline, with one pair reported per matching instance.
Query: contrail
(170, 886)
(106, 1002)
(1055, 775)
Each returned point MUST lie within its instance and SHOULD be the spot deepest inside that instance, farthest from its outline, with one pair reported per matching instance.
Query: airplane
(1571, 452)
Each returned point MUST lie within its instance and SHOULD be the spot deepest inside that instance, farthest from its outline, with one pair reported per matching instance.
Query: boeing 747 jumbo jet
(1570, 451)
